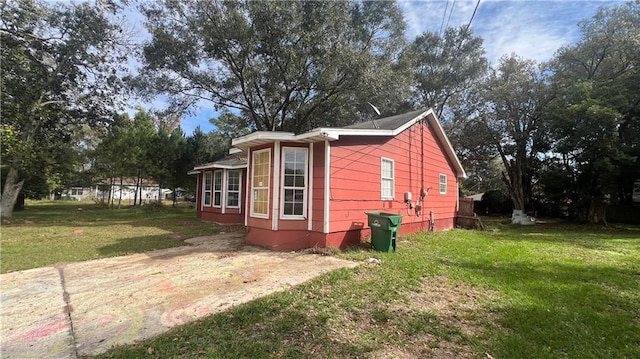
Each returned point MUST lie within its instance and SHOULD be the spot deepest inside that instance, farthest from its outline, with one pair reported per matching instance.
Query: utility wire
(444, 15)
(450, 12)
(472, 16)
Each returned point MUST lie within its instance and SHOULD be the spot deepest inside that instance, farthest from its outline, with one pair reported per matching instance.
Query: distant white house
(147, 191)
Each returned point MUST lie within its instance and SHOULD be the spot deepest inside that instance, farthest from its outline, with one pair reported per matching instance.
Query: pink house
(313, 189)
(221, 196)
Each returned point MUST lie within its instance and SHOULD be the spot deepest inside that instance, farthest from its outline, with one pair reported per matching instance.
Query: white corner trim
(327, 183)
(310, 164)
(275, 197)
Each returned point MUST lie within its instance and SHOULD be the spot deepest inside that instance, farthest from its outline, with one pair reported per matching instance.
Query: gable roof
(234, 161)
(388, 126)
(388, 123)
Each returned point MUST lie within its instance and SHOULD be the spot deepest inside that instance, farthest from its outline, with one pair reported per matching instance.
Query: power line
(472, 16)
(444, 15)
(450, 12)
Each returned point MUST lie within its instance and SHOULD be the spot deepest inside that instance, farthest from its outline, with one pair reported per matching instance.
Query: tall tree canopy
(283, 65)
(595, 119)
(445, 67)
(59, 72)
(515, 97)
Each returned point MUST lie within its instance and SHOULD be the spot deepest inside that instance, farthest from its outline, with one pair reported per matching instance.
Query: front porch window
(260, 183)
(233, 189)
(294, 182)
(206, 193)
(217, 188)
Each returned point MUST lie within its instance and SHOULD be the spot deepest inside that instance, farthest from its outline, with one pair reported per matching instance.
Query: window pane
(233, 199)
(294, 181)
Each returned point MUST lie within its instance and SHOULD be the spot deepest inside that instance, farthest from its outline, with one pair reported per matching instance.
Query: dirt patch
(451, 310)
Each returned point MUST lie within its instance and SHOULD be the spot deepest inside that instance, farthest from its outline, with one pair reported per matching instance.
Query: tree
(59, 72)
(515, 97)
(445, 66)
(595, 119)
(281, 65)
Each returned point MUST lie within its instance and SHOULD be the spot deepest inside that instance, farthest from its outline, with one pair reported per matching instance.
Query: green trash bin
(384, 230)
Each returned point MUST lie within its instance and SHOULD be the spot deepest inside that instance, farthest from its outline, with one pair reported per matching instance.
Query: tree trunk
(110, 199)
(175, 202)
(135, 195)
(597, 213)
(120, 199)
(12, 188)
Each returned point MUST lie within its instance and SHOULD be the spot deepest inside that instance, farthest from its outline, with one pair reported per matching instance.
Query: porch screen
(260, 183)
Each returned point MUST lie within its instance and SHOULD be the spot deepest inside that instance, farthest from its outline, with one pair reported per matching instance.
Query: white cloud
(532, 29)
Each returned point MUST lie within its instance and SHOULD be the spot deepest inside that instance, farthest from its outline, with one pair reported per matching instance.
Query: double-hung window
(443, 183)
(387, 188)
(294, 184)
(260, 183)
(217, 188)
(233, 189)
(207, 185)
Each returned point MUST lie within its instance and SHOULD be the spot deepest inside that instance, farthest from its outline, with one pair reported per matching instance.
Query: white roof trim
(446, 144)
(332, 134)
(219, 166)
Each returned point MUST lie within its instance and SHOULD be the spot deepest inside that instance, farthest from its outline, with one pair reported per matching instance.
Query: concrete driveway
(74, 309)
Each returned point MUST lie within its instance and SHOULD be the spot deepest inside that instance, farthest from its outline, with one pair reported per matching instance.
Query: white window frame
(252, 196)
(227, 190)
(204, 188)
(383, 179)
(442, 183)
(214, 190)
(305, 189)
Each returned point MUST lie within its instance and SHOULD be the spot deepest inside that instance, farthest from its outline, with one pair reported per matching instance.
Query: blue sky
(530, 28)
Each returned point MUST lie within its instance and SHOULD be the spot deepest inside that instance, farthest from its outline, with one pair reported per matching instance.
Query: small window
(76, 191)
(206, 193)
(443, 184)
(294, 182)
(217, 188)
(233, 189)
(387, 190)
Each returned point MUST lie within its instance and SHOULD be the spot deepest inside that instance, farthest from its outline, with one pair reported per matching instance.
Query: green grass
(50, 232)
(546, 291)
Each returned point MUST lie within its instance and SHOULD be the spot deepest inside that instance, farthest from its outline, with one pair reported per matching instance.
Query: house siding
(356, 180)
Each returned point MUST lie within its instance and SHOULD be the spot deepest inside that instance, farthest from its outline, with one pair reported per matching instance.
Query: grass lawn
(50, 232)
(546, 291)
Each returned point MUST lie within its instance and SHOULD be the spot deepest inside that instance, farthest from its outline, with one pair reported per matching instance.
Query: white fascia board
(335, 133)
(413, 121)
(263, 135)
(433, 122)
(193, 172)
(231, 167)
(234, 150)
